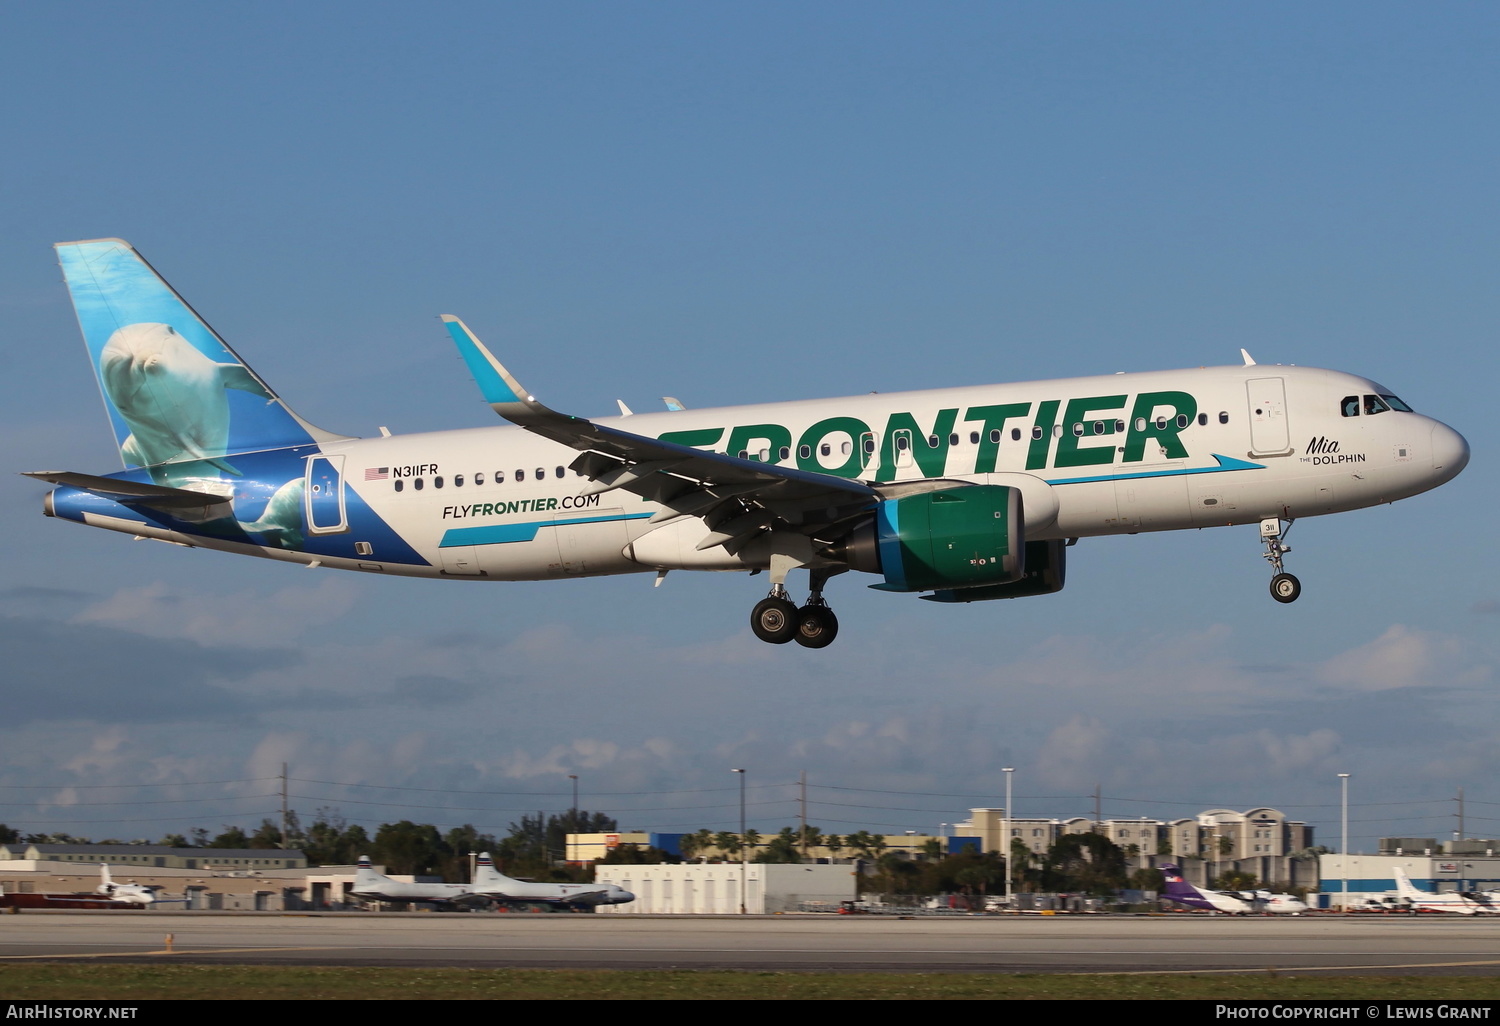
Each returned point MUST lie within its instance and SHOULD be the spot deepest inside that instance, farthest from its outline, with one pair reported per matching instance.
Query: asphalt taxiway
(1397, 945)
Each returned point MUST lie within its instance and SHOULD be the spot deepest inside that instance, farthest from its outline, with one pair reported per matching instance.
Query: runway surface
(1385, 945)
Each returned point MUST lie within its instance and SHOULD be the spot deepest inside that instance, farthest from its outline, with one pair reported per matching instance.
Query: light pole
(1006, 849)
(1344, 844)
(573, 821)
(742, 838)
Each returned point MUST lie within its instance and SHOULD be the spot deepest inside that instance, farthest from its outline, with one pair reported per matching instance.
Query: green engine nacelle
(968, 536)
(1046, 571)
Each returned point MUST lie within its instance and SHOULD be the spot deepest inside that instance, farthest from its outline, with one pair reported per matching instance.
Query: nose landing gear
(1284, 587)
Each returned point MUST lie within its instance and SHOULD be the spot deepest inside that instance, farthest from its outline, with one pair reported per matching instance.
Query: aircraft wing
(736, 498)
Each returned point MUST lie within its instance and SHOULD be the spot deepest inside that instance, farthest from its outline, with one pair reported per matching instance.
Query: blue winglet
(496, 384)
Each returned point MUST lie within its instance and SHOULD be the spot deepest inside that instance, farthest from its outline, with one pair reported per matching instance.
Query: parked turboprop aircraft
(1237, 902)
(373, 886)
(965, 494)
(495, 885)
(1464, 903)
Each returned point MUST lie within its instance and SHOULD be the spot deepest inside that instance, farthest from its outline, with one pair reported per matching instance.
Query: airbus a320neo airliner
(963, 494)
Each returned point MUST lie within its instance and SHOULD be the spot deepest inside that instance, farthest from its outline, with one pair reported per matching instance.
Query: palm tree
(727, 843)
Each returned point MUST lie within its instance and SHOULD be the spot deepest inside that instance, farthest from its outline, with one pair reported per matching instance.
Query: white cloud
(215, 618)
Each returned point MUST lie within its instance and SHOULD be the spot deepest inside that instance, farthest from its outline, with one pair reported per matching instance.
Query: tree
(783, 848)
(727, 843)
(267, 835)
(637, 855)
(1235, 880)
(1088, 862)
(407, 847)
(232, 837)
(9, 836)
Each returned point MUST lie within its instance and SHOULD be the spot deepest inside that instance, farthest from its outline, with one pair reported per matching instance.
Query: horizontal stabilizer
(130, 493)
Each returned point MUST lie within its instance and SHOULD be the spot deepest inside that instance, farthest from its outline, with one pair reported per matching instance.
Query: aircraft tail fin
(1405, 888)
(174, 390)
(486, 875)
(365, 876)
(1177, 885)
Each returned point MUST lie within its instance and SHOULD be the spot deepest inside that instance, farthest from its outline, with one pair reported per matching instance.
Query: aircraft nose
(1450, 452)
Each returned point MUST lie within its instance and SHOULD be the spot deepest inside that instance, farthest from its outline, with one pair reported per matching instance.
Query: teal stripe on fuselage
(497, 534)
(1226, 464)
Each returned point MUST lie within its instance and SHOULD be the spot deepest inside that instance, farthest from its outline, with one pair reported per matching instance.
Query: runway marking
(1292, 969)
(137, 954)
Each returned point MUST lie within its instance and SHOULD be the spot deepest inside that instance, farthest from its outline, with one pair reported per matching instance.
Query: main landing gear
(1284, 587)
(777, 620)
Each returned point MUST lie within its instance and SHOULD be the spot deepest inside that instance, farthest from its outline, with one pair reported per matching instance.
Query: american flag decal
(377, 473)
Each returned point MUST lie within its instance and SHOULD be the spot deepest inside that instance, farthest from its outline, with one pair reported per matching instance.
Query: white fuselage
(1117, 454)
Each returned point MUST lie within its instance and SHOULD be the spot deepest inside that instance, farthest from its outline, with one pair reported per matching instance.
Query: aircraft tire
(816, 626)
(1285, 588)
(774, 620)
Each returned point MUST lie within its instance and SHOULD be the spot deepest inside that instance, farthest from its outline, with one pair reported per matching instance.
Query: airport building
(157, 856)
(717, 888)
(1217, 834)
(1371, 879)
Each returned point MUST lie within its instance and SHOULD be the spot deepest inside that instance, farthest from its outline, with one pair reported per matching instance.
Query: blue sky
(736, 204)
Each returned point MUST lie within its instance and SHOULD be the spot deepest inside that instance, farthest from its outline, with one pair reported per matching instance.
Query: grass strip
(302, 983)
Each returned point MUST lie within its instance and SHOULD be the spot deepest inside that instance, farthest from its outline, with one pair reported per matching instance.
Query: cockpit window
(1374, 404)
(1397, 404)
(1349, 406)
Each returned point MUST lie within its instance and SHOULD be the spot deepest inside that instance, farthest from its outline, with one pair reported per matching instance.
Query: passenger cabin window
(1036, 433)
(478, 480)
(520, 475)
(437, 482)
(1015, 435)
(399, 484)
(1223, 416)
(541, 473)
(932, 441)
(1202, 419)
(458, 480)
(783, 452)
(804, 452)
(560, 471)
(499, 477)
(417, 483)
(953, 439)
(973, 437)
